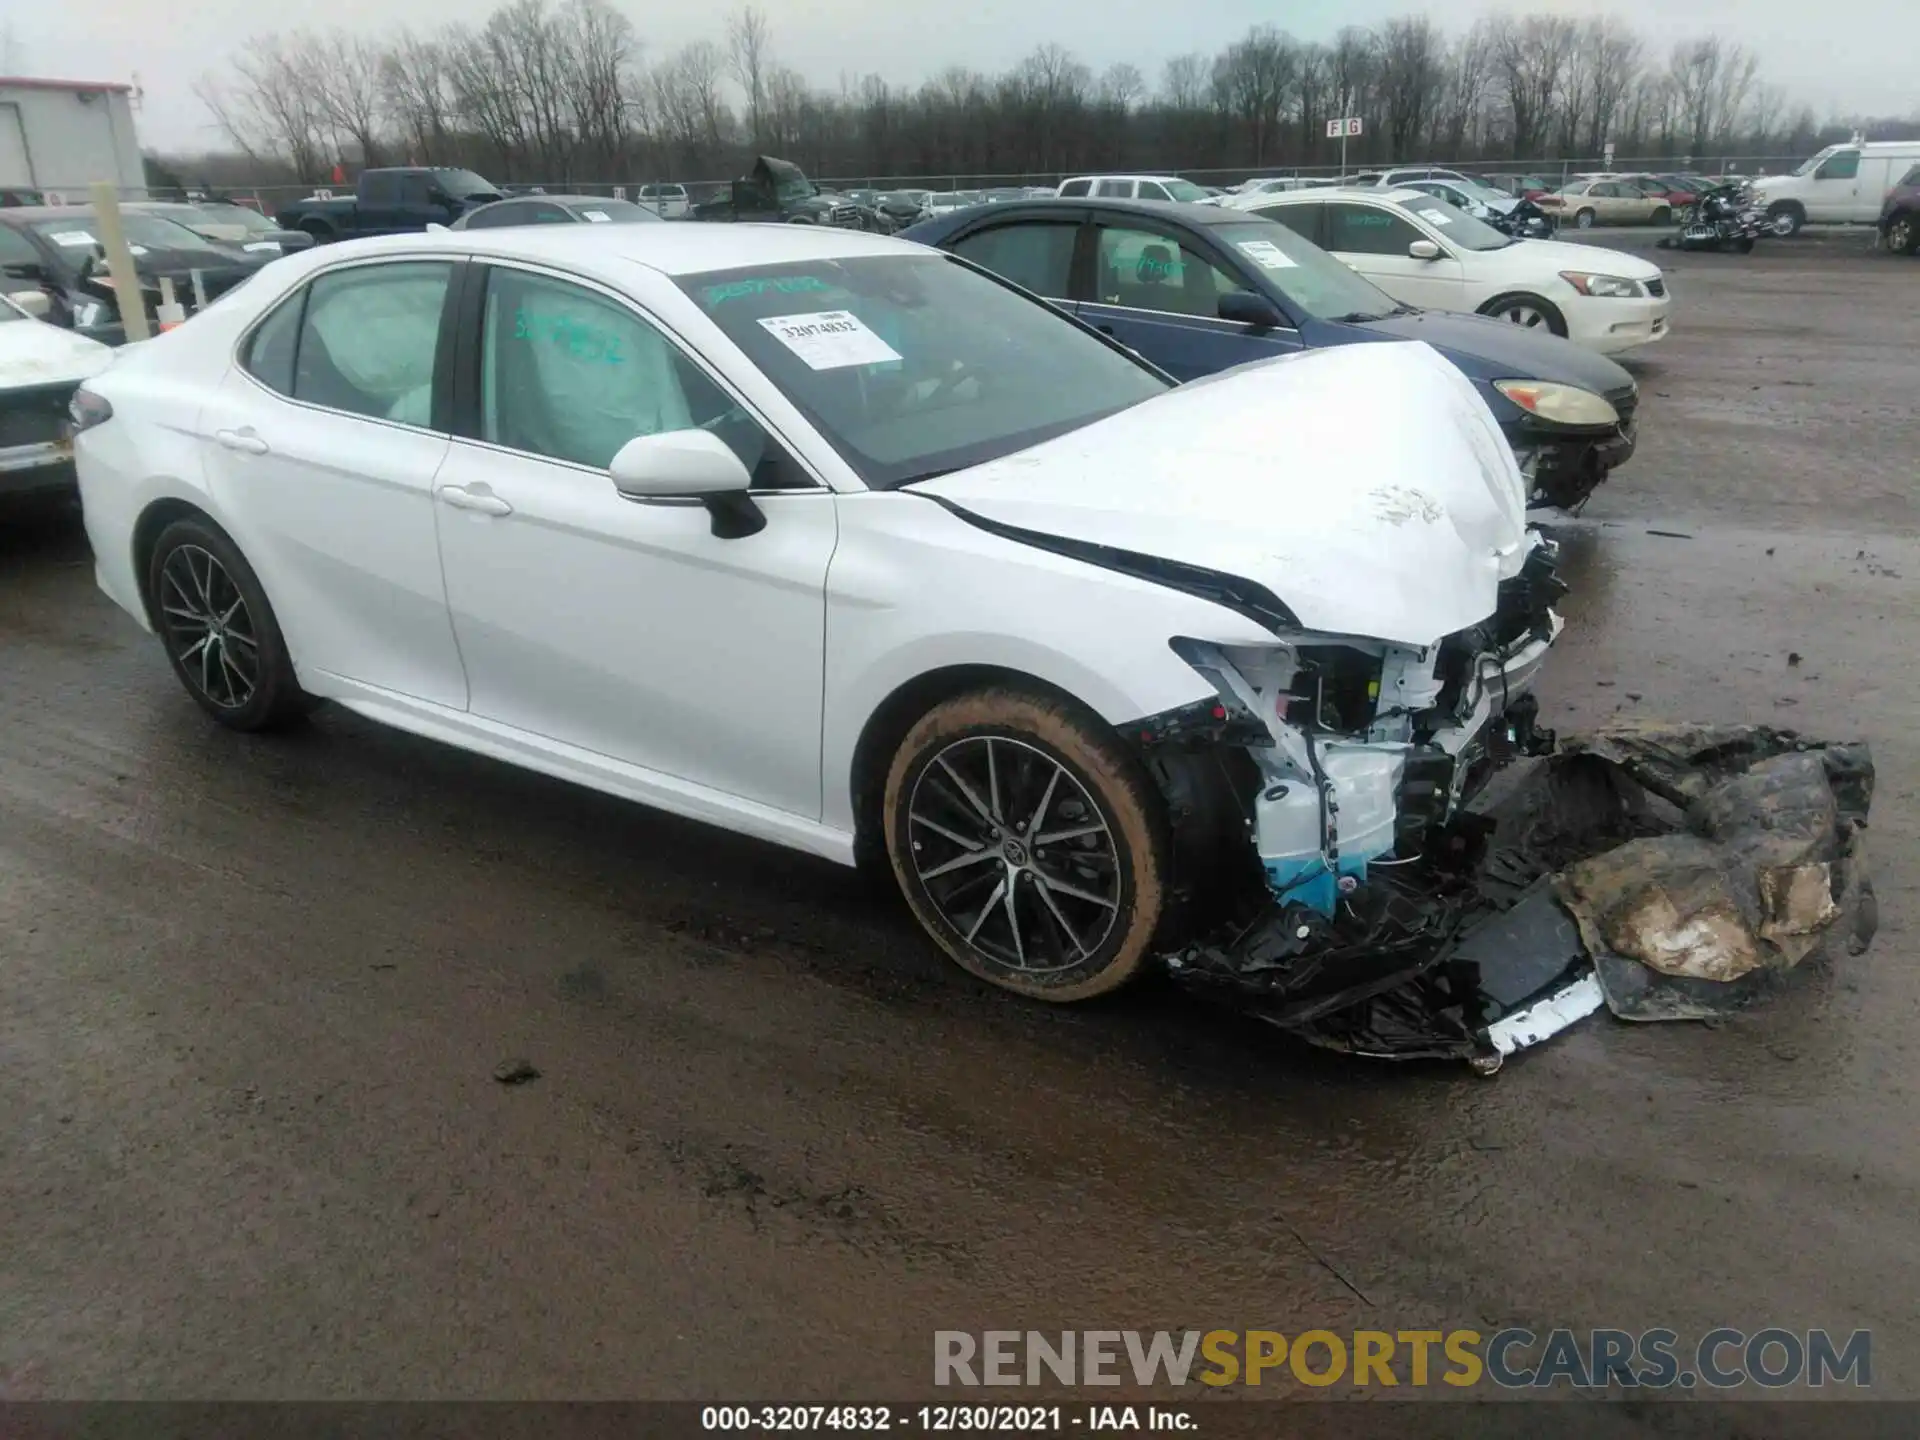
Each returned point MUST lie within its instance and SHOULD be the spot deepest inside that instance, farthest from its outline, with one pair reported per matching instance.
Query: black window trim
(441, 404)
(464, 401)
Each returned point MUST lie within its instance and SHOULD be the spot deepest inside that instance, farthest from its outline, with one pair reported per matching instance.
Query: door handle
(482, 501)
(243, 440)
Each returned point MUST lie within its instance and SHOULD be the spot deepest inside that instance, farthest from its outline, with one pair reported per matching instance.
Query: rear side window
(1037, 256)
(368, 339)
(1075, 187)
(1114, 189)
(380, 189)
(488, 217)
(1303, 220)
(270, 350)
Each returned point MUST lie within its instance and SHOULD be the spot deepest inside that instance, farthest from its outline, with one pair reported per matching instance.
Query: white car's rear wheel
(218, 629)
(1029, 844)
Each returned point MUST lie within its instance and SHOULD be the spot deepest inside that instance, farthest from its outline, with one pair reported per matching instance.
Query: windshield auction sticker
(829, 339)
(1266, 254)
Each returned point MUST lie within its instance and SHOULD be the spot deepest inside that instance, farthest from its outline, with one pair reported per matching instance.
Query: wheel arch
(148, 528)
(888, 723)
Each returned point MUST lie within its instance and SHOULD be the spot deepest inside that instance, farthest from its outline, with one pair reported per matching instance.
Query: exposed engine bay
(1431, 874)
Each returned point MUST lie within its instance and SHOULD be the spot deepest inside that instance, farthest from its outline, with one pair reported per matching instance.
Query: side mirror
(1247, 308)
(36, 303)
(689, 467)
(1424, 250)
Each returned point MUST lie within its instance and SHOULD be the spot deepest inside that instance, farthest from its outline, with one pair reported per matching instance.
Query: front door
(629, 630)
(1377, 242)
(1832, 195)
(1160, 296)
(321, 446)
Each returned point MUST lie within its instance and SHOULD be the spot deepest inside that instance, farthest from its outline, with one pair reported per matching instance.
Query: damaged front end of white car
(1375, 844)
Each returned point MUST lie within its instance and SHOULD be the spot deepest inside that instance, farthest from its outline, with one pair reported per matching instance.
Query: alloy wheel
(1900, 236)
(1014, 854)
(208, 627)
(1527, 317)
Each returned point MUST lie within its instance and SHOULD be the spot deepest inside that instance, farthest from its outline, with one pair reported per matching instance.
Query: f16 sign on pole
(1342, 128)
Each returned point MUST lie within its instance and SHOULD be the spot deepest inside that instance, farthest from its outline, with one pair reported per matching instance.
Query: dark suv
(1900, 216)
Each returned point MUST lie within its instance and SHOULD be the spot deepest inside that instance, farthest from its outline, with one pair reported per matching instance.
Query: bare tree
(1183, 82)
(413, 86)
(599, 51)
(1254, 79)
(344, 73)
(749, 52)
(1469, 79)
(1532, 56)
(267, 108)
(1410, 80)
(1614, 60)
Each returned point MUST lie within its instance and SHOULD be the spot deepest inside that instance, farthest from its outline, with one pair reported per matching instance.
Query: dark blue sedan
(1196, 289)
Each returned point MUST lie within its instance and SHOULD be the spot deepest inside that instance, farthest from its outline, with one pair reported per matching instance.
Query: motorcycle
(1726, 217)
(1525, 221)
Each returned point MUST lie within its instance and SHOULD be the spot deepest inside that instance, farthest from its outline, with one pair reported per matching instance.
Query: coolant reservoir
(1301, 868)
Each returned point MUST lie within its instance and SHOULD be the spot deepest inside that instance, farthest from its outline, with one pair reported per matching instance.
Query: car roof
(31, 214)
(681, 248)
(556, 200)
(1193, 214)
(1396, 193)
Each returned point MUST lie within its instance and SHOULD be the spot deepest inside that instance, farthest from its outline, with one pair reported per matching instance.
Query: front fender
(905, 569)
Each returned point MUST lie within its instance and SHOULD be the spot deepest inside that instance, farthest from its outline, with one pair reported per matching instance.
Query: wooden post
(131, 302)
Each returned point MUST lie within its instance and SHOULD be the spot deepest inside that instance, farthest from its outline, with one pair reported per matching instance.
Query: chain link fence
(268, 198)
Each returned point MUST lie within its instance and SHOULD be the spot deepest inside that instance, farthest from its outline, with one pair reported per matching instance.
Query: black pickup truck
(776, 190)
(387, 202)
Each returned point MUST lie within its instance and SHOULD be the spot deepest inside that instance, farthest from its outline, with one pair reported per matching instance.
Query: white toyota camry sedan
(845, 544)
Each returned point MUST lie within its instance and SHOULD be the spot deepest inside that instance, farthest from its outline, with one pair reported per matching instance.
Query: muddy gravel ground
(254, 992)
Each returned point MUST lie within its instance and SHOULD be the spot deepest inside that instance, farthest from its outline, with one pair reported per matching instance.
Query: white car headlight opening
(1563, 404)
(1603, 287)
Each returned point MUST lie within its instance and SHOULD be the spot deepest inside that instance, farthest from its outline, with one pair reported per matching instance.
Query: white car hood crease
(1559, 255)
(1367, 487)
(34, 353)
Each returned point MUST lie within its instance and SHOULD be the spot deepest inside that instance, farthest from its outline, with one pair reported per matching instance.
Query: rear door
(1156, 289)
(1876, 177)
(322, 446)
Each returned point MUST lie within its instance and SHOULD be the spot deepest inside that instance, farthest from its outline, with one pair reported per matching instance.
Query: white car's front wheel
(1029, 843)
(1529, 312)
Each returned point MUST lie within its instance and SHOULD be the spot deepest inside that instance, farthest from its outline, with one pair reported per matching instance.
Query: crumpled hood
(1366, 486)
(33, 353)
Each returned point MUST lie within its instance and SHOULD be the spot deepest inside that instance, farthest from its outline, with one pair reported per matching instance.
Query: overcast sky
(1863, 57)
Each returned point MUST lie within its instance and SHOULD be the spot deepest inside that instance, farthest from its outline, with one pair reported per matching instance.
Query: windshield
(1304, 273)
(1459, 227)
(76, 238)
(462, 183)
(914, 365)
(1185, 190)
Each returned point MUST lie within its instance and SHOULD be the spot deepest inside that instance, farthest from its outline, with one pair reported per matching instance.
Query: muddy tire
(1661, 216)
(1029, 843)
(218, 630)
(1903, 234)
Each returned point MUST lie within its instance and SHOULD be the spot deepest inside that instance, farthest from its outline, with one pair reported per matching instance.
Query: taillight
(87, 410)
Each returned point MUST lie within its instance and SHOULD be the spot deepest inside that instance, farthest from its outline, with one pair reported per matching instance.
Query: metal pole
(1343, 150)
(131, 304)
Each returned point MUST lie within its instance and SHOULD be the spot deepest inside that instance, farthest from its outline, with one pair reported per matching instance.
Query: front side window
(368, 340)
(1911, 178)
(572, 375)
(1843, 165)
(16, 249)
(1368, 230)
(914, 365)
(380, 189)
(1147, 271)
(414, 190)
(1036, 256)
(1153, 190)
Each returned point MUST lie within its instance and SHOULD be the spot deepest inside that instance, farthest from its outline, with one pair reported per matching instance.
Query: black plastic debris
(1673, 871)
